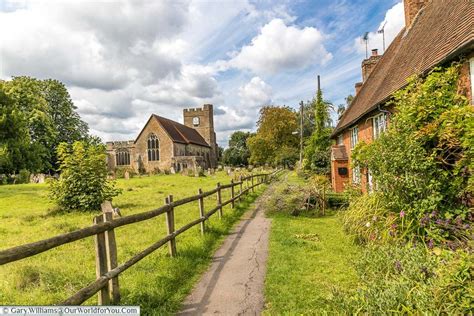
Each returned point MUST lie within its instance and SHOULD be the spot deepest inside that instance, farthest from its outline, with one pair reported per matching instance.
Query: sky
(123, 60)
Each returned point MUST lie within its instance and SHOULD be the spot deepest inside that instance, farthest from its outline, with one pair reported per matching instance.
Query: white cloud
(255, 93)
(394, 21)
(280, 47)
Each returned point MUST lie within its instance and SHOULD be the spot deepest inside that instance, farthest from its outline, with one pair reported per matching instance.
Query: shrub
(23, 176)
(83, 183)
(337, 200)
(410, 280)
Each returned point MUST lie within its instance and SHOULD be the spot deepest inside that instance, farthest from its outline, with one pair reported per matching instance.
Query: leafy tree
(318, 147)
(50, 118)
(27, 94)
(66, 121)
(238, 153)
(274, 141)
(14, 136)
(83, 183)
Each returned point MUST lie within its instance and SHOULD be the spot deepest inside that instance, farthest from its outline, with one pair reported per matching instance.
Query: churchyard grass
(158, 283)
(309, 257)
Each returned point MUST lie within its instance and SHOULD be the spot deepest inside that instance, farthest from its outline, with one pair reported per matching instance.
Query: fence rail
(107, 268)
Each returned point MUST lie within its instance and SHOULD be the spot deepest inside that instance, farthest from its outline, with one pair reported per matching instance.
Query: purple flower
(424, 220)
(402, 214)
(398, 266)
(430, 244)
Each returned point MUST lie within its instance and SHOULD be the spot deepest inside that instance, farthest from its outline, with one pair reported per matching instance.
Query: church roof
(442, 30)
(180, 133)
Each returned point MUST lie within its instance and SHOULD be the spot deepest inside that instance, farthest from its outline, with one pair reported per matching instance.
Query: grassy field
(158, 283)
(309, 257)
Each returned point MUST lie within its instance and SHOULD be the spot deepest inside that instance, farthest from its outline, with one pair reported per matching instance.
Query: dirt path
(233, 285)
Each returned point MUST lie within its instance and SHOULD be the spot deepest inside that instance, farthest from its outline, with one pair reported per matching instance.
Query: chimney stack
(412, 7)
(369, 64)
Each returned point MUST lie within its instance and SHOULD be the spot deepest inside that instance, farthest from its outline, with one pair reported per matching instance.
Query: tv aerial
(382, 31)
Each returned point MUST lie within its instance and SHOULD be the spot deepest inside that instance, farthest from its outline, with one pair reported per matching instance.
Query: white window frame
(379, 125)
(471, 66)
(340, 139)
(354, 136)
(356, 175)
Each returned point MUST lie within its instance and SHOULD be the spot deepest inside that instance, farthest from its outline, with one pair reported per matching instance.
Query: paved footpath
(233, 285)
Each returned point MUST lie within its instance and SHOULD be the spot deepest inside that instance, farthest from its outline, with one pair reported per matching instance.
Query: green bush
(410, 280)
(23, 176)
(337, 200)
(83, 183)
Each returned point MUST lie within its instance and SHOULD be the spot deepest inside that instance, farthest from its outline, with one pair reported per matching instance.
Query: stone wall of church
(166, 148)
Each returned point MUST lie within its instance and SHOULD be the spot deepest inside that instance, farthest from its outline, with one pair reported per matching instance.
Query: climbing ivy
(422, 164)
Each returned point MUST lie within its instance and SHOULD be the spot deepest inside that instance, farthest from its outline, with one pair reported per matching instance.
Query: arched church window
(122, 157)
(153, 148)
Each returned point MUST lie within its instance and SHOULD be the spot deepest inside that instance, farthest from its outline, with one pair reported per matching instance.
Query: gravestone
(106, 207)
(172, 170)
(126, 175)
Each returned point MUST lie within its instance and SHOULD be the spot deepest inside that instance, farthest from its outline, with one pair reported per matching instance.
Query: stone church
(164, 145)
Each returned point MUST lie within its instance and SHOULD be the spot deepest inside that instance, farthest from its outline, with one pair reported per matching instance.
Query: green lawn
(158, 283)
(309, 257)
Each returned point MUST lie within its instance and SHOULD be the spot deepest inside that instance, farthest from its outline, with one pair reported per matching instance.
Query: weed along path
(234, 283)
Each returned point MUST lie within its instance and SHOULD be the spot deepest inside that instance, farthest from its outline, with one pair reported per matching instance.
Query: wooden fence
(107, 268)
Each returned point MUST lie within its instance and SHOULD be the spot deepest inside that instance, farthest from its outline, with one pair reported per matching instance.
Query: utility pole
(301, 133)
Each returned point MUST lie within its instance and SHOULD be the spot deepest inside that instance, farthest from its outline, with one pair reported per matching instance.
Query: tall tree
(27, 94)
(318, 149)
(237, 154)
(274, 141)
(50, 118)
(66, 121)
(14, 136)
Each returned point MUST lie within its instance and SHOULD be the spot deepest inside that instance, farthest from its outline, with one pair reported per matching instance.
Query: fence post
(101, 262)
(232, 193)
(111, 249)
(253, 189)
(219, 199)
(240, 189)
(201, 212)
(170, 226)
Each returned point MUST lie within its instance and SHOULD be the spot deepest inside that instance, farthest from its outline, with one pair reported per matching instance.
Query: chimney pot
(375, 52)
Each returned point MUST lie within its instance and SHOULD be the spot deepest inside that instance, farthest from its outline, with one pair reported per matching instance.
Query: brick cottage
(436, 33)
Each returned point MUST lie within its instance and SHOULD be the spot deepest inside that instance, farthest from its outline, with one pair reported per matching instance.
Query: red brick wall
(339, 181)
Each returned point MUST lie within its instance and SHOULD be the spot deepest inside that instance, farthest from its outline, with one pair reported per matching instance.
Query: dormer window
(196, 121)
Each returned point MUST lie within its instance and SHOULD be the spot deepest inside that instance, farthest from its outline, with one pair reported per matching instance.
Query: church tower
(202, 120)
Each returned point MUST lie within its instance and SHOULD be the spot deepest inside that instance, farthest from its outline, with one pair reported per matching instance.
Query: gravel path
(233, 285)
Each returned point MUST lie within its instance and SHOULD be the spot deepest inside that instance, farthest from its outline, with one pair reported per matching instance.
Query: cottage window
(379, 124)
(354, 136)
(340, 139)
(122, 157)
(153, 148)
(356, 175)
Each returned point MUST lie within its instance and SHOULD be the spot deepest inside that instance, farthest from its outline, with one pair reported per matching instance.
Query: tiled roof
(441, 30)
(180, 133)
